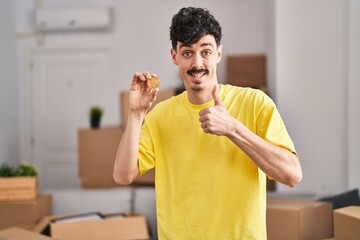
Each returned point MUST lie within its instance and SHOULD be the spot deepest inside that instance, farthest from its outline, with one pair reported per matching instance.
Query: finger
(135, 76)
(139, 76)
(135, 80)
(215, 93)
(147, 74)
(154, 94)
(204, 111)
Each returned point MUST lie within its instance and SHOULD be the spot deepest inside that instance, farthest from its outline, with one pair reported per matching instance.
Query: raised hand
(216, 119)
(141, 97)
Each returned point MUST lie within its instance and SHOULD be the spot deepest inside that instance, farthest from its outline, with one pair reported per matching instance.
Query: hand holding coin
(153, 82)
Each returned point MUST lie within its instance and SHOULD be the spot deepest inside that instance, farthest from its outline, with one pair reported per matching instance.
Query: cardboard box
(20, 234)
(124, 101)
(347, 223)
(130, 227)
(25, 214)
(295, 219)
(97, 152)
(18, 188)
(246, 71)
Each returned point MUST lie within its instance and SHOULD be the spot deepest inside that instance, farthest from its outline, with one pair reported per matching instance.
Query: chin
(198, 88)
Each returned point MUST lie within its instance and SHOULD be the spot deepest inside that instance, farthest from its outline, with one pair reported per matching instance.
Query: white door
(65, 83)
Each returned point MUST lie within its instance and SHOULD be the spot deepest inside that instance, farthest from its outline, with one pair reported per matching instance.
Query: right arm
(140, 99)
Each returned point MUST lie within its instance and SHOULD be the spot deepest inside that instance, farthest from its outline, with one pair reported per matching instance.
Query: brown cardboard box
(347, 223)
(25, 213)
(124, 101)
(97, 152)
(246, 71)
(18, 188)
(128, 228)
(295, 219)
(20, 234)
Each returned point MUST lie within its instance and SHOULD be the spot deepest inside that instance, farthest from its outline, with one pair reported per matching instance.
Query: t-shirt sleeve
(271, 127)
(146, 158)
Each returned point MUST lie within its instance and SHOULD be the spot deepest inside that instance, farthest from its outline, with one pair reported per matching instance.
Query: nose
(197, 62)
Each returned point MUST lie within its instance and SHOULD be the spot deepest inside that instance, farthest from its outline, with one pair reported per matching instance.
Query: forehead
(205, 41)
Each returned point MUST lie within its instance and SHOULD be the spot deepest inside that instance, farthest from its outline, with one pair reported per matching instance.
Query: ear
(173, 56)
(219, 53)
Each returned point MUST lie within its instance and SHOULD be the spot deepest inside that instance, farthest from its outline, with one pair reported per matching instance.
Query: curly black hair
(190, 24)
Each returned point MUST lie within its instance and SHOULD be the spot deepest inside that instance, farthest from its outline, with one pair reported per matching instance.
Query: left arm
(276, 162)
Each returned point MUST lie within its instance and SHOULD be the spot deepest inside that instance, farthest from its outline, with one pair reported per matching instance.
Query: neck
(200, 97)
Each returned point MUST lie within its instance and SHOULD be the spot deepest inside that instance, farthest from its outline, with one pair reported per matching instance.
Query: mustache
(194, 71)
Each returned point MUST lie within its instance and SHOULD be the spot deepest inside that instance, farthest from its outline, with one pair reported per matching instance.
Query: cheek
(183, 66)
(183, 73)
(211, 65)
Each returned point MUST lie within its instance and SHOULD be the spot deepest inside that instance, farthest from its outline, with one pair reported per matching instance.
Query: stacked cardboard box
(246, 71)
(347, 223)
(97, 151)
(25, 213)
(296, 219)
(18, 188)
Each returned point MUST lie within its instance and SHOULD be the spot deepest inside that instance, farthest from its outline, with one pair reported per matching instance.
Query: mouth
(197, 73)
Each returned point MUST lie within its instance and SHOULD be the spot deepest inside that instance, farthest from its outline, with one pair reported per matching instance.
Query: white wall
(311, 60)
(354, 96)
(9, 88)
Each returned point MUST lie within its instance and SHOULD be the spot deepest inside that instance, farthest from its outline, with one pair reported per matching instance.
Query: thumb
(215, 93)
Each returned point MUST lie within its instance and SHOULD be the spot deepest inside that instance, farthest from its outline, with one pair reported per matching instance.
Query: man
(212, 146)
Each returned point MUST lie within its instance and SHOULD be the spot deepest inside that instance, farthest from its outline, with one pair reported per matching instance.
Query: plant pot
(18, 188)
(95, 122)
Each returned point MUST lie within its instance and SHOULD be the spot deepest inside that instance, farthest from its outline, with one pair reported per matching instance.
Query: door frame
(26, 74)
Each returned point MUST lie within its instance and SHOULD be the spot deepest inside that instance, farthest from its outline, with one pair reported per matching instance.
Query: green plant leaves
(24, 169)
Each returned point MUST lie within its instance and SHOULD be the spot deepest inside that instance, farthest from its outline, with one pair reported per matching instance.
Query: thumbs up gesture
(216, 119)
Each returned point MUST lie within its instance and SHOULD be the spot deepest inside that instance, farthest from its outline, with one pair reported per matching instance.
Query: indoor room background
(313, 58)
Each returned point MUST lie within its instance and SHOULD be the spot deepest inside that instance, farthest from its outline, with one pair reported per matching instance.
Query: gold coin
(153, 82)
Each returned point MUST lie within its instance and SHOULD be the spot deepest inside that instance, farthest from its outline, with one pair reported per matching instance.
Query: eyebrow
(205, 44)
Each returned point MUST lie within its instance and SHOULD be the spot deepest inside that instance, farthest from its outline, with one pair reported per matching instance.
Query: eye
(207, 53)
(187, 54)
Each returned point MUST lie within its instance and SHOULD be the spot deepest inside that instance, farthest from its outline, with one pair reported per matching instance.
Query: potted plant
(26, 170)
(95, 116)
(6, 170)
(18, 183)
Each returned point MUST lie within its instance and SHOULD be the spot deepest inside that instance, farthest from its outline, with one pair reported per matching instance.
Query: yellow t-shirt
(206, 186)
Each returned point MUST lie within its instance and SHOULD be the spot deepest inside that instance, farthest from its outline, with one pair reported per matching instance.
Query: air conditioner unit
(75, 18)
